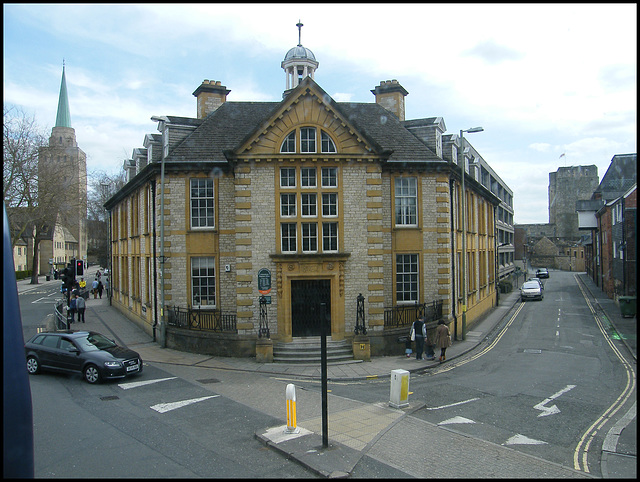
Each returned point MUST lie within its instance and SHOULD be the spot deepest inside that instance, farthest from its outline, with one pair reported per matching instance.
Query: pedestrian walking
(73, 308)
(100, 288)
(419, 333)
(80, 306)
(443, 339)
(94, 288)
(82, 284)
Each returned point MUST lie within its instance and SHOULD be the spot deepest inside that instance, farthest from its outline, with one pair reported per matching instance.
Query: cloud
(492, 52)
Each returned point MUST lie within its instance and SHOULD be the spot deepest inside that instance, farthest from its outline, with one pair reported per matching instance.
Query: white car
(531, 290)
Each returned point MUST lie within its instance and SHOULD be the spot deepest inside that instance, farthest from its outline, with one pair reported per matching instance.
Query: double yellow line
(582, 449)
(486, 349)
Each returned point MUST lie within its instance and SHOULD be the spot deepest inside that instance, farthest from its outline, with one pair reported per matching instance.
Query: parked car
(531, 290)
(89, 353)
(537, 280)
(542, 273)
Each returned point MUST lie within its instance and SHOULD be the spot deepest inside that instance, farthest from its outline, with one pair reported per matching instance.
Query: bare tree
(101, 187)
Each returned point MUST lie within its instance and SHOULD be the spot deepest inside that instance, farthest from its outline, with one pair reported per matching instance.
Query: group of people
(419, 335)
(77, 303)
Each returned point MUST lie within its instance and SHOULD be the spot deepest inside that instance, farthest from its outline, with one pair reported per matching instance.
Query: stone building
(62, 170)
(307, 204)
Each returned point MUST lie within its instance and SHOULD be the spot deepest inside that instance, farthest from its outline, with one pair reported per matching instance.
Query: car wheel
(91, 374)
(33, 366)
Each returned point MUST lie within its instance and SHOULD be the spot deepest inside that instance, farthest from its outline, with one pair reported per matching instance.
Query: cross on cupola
(298, 63)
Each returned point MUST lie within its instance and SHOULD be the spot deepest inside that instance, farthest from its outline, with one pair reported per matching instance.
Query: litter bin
(48, 277)
(627, 306)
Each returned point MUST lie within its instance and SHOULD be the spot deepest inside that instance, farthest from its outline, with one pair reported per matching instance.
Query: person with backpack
(419, 334)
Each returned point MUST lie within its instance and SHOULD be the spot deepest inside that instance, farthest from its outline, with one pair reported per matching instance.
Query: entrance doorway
(306, 297)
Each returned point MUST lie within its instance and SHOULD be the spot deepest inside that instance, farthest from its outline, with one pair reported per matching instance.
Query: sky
(543, 80)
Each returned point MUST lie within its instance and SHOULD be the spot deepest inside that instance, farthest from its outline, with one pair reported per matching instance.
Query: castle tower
(567, 186)
(62, 169)
(298, 63)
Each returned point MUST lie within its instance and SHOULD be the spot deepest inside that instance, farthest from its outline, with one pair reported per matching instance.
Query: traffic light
(79, 267)
(66, 276)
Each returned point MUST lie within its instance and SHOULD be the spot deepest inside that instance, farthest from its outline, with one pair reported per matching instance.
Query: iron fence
(203, 320)
(404, 315)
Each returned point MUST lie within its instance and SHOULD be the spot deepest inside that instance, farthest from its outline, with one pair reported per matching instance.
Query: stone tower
(63, 164)
(567, 186)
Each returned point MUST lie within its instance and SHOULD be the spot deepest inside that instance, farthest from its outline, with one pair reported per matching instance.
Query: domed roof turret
(298, 63)
(299, 52)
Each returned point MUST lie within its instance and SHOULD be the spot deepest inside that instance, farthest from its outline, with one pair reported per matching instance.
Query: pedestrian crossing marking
(522, 440)
(127, 386)
(456, 420)
(167, 407)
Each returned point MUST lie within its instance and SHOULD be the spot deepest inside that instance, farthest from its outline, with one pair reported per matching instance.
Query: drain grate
(110, 397)
(208, 380)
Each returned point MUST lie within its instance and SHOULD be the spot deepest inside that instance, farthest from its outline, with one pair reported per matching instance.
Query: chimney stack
(390, 95)
(210, 95)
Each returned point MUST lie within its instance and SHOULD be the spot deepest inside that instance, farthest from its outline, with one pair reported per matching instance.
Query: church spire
(63, 119)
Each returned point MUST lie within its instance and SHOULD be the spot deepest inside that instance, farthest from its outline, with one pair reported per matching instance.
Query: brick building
(308, 201)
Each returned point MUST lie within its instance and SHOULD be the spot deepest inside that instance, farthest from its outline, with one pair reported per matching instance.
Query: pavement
(381, 431)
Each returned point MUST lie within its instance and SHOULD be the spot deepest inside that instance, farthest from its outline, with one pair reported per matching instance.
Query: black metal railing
(204, 320)
(403, 315)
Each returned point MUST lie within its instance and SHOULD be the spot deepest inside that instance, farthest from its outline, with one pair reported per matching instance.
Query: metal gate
(306, 297)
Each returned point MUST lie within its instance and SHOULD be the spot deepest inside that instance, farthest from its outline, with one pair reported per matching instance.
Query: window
(289, 144)
(329, 204)
(288, 237)
(288, 177)
(329, 237)
(203, 281)
(309, 237)
(308, 175)
(309, 204)
(327, 143)
(287, 204)
(202, 203)
(406, 201)
(308, 139)
(407, 277)
(329, 177)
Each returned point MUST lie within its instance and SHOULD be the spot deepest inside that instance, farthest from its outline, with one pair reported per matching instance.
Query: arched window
(289, 144)
(308, 141)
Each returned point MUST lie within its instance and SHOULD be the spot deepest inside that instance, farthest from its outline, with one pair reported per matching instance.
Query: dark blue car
(93, 355)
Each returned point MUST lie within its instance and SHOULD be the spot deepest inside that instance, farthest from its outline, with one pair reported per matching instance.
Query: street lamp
(462, 161)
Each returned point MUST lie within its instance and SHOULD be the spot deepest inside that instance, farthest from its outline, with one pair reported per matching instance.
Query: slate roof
(620, 176)
(228, 126)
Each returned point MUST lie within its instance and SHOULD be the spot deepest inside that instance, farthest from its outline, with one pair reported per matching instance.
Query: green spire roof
(63, 119)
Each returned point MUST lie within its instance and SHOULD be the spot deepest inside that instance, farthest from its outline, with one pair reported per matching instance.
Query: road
(543, 386)
(540, 388)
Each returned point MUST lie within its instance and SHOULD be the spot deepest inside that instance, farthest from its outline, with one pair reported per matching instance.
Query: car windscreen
(531, 284)
(94, 341)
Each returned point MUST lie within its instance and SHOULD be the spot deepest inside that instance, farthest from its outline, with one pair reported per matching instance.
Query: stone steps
(306, 350)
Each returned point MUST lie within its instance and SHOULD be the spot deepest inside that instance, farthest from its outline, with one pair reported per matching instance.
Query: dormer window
(308, 141)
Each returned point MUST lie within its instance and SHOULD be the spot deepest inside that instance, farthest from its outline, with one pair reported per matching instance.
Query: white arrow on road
(166, 407)
(522, 440)
(553, 409)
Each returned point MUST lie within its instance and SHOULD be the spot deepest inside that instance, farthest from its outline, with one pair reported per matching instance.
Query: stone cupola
(298, 63)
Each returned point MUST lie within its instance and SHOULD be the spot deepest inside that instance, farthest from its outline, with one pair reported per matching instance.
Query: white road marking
(127, 386)
(552, 409)
(167, 407)
(522, 440)
(456, 420)
(452, 404)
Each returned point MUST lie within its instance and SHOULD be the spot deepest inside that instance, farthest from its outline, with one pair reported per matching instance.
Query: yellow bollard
(291, 409)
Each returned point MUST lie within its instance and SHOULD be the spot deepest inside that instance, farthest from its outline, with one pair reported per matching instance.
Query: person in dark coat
(73, 307)
(419, 331)
(443, 339)
(100, 288)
